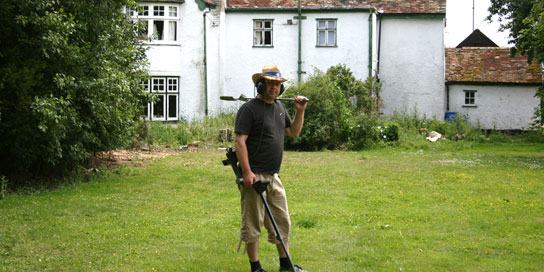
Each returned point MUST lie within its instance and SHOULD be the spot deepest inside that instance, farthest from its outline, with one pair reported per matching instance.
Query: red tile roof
(490, 65)
(388, 6)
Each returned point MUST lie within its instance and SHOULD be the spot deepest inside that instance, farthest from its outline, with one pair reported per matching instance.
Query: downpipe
(205, 61)
(299, 71)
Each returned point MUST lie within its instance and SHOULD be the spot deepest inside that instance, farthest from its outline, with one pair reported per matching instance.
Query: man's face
(272, 88)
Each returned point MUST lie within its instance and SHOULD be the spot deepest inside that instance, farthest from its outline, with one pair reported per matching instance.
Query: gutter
(488, 83)
(414, 15)
(296, 9)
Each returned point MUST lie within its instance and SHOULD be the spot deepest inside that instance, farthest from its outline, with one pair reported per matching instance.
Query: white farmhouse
(400, 42)
(202, 49)
(490, 88)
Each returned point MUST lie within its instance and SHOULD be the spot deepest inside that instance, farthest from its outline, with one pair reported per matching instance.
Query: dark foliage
(342, 113)
(70, 83)
(525, 20)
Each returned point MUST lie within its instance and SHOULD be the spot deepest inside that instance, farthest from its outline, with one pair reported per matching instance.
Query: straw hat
(270, 72)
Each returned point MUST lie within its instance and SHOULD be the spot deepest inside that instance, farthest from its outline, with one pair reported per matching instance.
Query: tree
(525, 20)
(70, 83)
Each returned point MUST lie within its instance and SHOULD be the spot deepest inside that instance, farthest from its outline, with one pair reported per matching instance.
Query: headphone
(261, 87)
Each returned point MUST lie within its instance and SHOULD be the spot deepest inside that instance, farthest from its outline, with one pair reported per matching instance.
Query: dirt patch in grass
(132, 156)
(135, 157)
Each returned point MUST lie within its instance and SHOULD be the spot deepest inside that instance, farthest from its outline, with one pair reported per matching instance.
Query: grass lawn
(476, 208)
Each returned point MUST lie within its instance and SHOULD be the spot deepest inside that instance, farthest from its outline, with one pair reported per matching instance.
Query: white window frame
(166, 87)
(259, 32)
(156, 14)
(326, 29)
(469, 98)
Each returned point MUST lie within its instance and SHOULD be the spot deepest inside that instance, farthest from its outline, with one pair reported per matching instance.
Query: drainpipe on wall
(447, 97)
(370, 34)
(379, 45)
(299, 71)
(205, 61)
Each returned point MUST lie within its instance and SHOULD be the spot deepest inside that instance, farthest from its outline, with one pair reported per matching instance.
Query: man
(261, 124)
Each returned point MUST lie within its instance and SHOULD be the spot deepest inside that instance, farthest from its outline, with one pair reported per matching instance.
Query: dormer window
(160, 22)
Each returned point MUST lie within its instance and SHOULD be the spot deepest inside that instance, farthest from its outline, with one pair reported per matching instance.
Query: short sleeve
(244, 119)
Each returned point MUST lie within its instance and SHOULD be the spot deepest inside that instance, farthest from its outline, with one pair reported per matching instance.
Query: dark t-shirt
(264, 143)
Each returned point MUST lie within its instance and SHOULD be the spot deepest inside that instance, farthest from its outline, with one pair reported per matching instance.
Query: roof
(388, 6)
(490, 65)
(477, 39)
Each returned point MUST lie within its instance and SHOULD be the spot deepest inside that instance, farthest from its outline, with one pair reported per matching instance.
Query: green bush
(389, 132)
(364, 132)
(457, 128)
(70, 85)
(341, 113)
(535, 136)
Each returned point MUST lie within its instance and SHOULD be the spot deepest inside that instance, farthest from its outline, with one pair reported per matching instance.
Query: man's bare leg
(280, 249)
(253, 251)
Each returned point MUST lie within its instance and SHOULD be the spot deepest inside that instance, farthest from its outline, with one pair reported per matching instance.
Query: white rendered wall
(242, 60)
(184, 59)
(214, 50)
(412, 66)
(497, 107)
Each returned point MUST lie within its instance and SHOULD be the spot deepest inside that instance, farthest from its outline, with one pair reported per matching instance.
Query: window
(158, 11)
(132, 12)
(470, 98)
(145, 10)
(326, 32)
(173, 11)
(262, 33)
(142, 34)
(160, 25)
(165, 107)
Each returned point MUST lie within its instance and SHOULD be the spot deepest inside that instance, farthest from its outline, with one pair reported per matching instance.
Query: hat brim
(258, 76)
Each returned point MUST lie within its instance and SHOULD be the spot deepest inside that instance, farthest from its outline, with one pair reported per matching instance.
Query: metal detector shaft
(260, 187)
(291, 99)
(243, 98)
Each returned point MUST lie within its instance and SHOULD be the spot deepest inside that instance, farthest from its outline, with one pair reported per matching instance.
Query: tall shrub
(70, 83)
(341, 112)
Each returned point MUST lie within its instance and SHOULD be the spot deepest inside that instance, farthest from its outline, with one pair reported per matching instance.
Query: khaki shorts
(254, 212)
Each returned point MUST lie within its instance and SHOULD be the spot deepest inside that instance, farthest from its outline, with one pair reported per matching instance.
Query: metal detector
(245, 99)
(260, 188)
